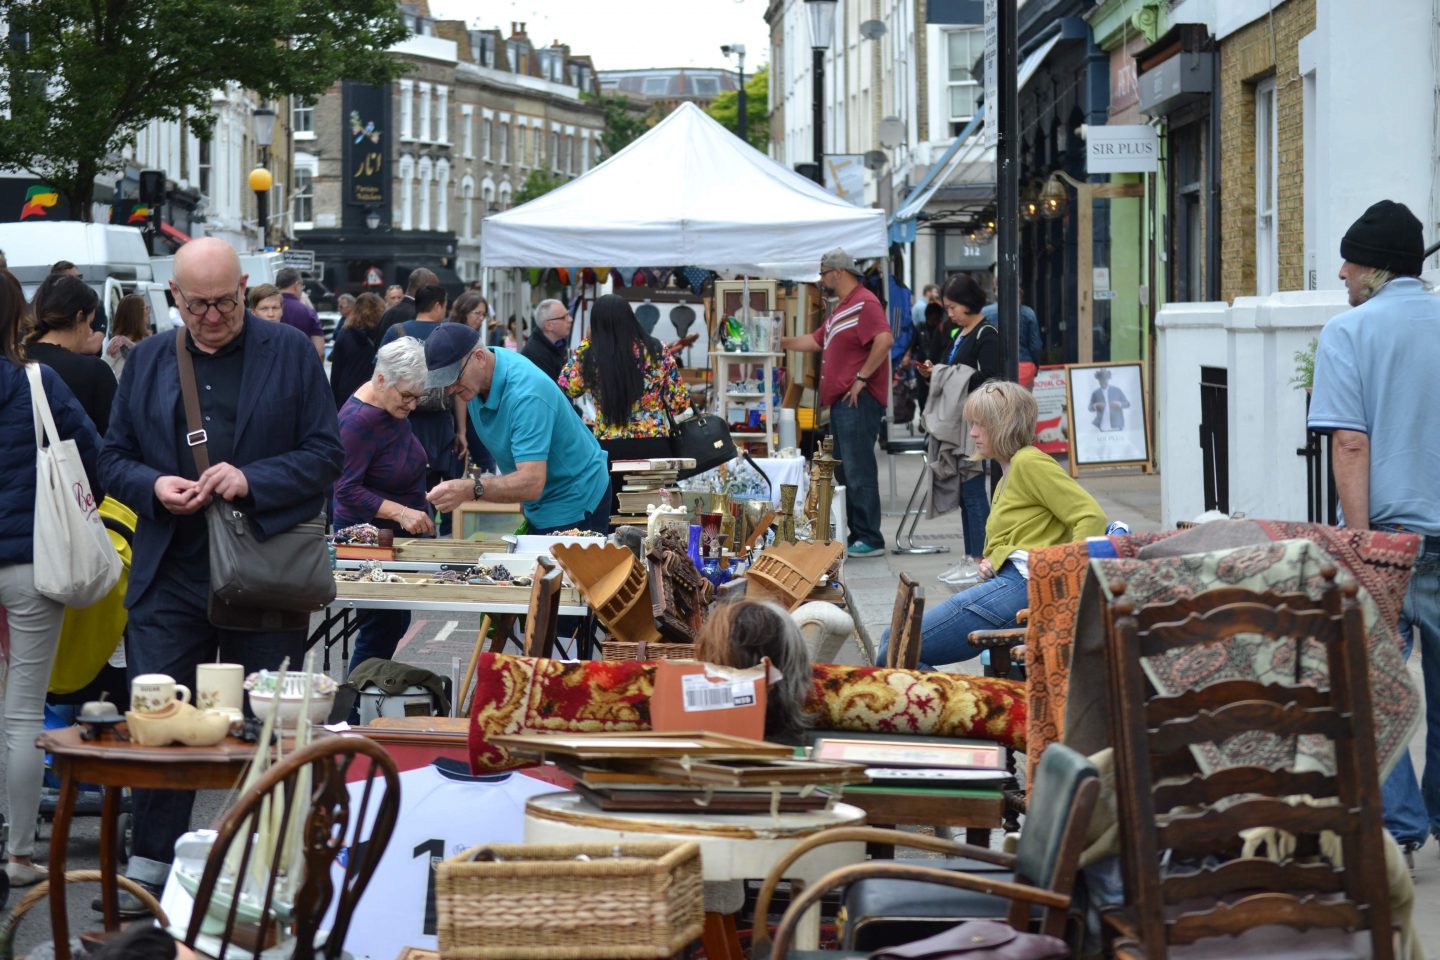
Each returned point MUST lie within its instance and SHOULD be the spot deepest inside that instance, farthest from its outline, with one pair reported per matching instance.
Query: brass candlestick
(788, 492)
(822, 482)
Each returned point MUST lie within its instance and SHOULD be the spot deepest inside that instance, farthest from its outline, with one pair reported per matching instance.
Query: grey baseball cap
(445, 353)
(838, 259)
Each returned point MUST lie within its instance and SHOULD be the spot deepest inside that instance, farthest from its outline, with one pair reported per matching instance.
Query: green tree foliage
(85, 77)
(624, 121)
(537, 184)
(726, 109)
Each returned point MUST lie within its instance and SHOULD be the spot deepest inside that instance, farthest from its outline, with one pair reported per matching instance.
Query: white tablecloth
(785, 470)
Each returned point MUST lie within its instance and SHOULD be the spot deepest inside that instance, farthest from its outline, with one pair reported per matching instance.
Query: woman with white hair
(740, 634)
(1035, 505)
(383, 480)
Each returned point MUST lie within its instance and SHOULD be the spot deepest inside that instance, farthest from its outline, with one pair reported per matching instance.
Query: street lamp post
(738, 49)
(822, 34)
(260, 179)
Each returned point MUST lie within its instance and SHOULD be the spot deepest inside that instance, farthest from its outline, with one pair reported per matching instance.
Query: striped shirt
(845, 339)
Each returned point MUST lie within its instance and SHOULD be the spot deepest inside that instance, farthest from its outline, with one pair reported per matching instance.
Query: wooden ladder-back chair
(904, 648)
(330, 823)
(1167, 803)
(543, 620)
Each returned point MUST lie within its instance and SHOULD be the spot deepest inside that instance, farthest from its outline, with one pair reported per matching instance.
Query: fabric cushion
(531, 695)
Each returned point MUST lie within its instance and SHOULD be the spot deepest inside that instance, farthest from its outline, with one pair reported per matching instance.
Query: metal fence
(1322, 499)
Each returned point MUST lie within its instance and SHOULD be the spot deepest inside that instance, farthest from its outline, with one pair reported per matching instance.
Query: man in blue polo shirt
(549, 460)
(1370, 370)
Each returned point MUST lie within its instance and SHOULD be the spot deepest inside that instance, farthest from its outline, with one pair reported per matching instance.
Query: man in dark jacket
(274, 445)
(405, 309)
(548, 346)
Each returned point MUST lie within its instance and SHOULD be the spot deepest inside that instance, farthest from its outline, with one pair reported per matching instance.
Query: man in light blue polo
(549, 461)
(1370, 370)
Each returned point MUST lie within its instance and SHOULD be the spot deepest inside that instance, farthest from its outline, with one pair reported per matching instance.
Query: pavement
(440, 641)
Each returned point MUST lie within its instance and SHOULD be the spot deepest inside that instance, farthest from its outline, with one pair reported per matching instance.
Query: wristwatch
(479, 488)
(862, 379)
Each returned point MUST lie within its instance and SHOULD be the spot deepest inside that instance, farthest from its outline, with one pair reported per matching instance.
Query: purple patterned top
(383, 461)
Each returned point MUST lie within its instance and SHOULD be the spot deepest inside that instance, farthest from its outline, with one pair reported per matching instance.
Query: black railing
(1322, 498)
(1215, 437)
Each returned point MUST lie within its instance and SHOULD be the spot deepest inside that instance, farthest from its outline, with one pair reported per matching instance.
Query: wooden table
(732, 847)
(114, 764)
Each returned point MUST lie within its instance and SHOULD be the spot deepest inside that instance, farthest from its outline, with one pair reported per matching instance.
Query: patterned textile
(1285, 566)
(1380, 561)
(664, 391)
(524, 694)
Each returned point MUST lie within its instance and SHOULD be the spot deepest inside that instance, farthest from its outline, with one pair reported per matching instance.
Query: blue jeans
(170, 632)
(1412, 810)
(856, 430)
(945, 630)
(379, 634)
(974, 511)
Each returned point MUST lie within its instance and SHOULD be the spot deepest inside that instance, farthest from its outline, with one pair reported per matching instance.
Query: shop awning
(962, 149)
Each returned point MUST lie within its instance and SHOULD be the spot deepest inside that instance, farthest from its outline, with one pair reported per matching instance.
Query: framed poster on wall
(1108, 415)
(730, 295)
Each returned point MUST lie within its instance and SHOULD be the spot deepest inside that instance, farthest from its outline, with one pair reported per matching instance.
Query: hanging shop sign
(1126, 148)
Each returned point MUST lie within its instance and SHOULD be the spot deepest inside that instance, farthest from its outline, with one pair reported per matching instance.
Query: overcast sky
(628, 34)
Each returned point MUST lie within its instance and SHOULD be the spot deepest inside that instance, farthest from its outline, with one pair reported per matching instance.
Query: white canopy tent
(689, 192)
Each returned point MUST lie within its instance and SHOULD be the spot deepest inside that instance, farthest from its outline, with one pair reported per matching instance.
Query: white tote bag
(75, 562)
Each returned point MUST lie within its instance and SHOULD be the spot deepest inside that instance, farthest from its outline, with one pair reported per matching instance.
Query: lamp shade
(372, 218)
(260, 180)
(822, 22)
(1053, 199)
(263, 122)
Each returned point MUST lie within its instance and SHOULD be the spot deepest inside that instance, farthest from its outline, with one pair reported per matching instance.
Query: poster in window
(1051, 422)
(365, 133)
(1109, 425)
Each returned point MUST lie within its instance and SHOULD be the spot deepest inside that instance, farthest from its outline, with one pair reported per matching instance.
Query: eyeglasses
(224, 306)
(407, 398)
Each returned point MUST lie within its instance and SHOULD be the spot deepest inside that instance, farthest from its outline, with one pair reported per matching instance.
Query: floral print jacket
(664, 391)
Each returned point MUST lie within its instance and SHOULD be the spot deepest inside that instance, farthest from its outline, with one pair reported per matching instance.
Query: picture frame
(1108, 415)
(479, 520)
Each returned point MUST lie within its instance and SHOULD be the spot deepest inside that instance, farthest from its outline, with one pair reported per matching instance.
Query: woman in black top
(352, 357)
(977, 344)
(64, 306)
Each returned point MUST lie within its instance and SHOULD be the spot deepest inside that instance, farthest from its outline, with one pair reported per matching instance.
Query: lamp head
(260, 180)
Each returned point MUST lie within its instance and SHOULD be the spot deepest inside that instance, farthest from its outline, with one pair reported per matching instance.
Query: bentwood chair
(1189, 889)
(890, 902)
(904, 648)
(307, 788)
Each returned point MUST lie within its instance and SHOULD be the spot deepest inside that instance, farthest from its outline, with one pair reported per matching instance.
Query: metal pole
(742, 118)
(1007, 221)
(817, 72)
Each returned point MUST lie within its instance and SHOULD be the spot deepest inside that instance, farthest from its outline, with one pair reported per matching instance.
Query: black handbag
(270, 584)
(705, 439)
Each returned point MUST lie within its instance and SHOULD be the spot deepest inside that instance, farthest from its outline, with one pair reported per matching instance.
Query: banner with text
(365, 132)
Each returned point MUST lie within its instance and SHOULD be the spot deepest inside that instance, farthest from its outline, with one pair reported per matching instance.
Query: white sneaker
(966, 571)
(25, 874)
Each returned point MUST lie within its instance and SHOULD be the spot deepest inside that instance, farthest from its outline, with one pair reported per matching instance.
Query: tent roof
(689, 192)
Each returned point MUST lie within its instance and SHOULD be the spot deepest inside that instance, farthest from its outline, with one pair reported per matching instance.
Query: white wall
(1255, 341)
(1359, 54)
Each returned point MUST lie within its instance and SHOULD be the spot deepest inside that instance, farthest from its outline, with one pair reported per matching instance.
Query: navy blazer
(287, 439)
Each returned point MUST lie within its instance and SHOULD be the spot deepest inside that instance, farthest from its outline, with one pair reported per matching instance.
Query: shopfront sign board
(1123, 148)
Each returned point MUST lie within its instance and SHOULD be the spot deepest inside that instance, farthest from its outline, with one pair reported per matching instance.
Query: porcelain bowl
(289, 701)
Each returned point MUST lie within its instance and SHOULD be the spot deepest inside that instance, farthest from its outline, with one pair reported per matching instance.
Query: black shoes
(130, 905)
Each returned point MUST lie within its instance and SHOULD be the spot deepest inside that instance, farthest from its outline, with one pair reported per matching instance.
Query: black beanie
(1386, 236)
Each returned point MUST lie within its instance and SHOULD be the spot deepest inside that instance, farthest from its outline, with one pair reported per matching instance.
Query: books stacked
(642, 484)
(691, 773)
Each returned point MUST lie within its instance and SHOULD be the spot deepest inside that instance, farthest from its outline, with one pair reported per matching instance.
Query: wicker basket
(539, 902)
(613, 649)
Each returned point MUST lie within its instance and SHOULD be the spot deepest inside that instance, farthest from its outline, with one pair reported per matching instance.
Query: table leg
(721, 942)
(109, 862)
(59, 842)
(807, 931)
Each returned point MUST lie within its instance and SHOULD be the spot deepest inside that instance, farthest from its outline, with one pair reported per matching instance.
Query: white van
(111, 258)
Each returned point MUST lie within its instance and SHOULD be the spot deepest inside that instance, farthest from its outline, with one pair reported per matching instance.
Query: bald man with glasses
(274, 447)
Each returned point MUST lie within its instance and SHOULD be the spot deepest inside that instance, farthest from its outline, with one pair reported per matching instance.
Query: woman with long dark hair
(352, 357)
(636, 388)
(33, 619)
(64, 307)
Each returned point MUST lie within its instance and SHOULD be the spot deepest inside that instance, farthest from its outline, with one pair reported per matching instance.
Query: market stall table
(732, 846)
(339, 622)
(115, 764)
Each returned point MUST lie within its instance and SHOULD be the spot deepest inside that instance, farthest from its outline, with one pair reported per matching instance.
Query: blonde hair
(1007, 411)
(740, 634)
(1370, 283)
(263, 292)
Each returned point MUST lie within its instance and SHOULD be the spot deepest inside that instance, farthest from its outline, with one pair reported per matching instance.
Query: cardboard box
(690, 695)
